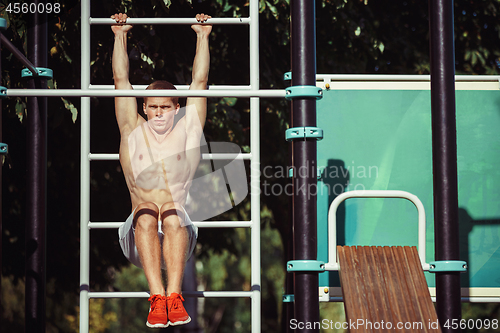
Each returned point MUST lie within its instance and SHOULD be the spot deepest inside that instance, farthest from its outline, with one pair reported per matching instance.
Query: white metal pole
(270, 93)
(199, 224)
(255, 258)
(172, 20)
(207, 156)
(178, 87)
(85, 171)
(143, 294)
(402, 77)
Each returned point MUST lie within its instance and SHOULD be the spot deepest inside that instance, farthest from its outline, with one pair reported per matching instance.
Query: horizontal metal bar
(478, 299)
(178, 87)
(335, 299)
(266, 93)
(170, 20)
(227, 156)
(144, 294)
(205, 224)
(381, 77)
(104, 157)
(221, 156)
(463, 299)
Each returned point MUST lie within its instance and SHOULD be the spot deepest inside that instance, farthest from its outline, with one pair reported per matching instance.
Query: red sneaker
(177, 315)
(157, 317)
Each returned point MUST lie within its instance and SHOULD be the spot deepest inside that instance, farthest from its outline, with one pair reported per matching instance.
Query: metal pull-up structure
(303, 97)
(303, 135)
(252, 91)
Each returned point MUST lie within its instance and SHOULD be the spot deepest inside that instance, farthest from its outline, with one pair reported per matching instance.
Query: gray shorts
(126, 234)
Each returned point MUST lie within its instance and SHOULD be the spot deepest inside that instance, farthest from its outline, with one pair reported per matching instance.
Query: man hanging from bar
(159, 160)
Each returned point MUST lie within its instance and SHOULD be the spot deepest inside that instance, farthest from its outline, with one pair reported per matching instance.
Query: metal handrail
(171, 20)
(264, 93)
(332, 264)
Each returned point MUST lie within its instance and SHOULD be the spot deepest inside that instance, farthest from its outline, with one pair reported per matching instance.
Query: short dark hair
(162, 85)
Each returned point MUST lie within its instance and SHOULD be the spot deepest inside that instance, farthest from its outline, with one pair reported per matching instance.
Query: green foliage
(476, 25)
(12, 304)
(99, 320)
(227, 271)
(480, 313)
(332, 312)
(131, 313)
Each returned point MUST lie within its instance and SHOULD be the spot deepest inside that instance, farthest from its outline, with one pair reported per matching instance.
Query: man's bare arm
(196, 107)
(201, 67)
(125, 107)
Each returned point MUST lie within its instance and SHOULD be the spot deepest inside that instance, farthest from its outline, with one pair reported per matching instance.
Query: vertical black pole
(304, 154)
(444, 157)
(36, 182)
(1, 167)
(289, 308)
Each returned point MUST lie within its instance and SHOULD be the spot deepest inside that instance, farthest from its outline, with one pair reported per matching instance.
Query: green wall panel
(381, 140)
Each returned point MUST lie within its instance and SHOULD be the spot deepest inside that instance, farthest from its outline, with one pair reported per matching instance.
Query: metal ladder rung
(216, 156)
(145, 294)
(226, 156)
(178, 87)
(171, 20)
(210, 93)
(208, 224)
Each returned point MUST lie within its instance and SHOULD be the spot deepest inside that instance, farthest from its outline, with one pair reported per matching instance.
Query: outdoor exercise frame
(254, 157)
(38, 186)
(303, 114)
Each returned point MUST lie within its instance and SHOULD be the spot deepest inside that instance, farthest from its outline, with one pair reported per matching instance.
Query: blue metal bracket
(447, 266)
(303, 92)
(318, 173)
(3, 24)
(3, 92)
(42, 72)
(305, 266)
(288, 298)
(4, 148)
(287, 76)
(295, 133)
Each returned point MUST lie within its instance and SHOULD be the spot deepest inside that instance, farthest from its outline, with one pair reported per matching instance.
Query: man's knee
(172, 215)
(146, 216)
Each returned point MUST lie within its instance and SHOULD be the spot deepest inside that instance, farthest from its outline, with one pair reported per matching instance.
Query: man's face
(160, 112)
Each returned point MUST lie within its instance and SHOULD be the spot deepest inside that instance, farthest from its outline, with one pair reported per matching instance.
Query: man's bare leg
(148, 245)
(175, 245)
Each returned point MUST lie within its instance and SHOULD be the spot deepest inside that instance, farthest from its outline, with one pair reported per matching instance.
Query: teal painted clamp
(3, 24)
(42, 72)
(305, 266)
(4, 148)
(318, 174)
(448, 266)
(303, 133)
(3, 92)
(287, 76)
(288, 298)
(303, 92)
